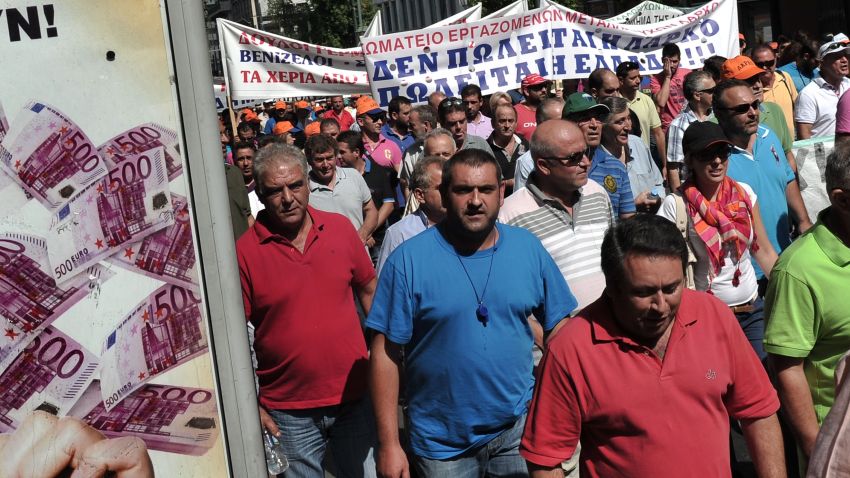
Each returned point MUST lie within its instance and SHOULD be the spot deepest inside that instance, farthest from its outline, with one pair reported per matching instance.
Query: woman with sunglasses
(723, 228)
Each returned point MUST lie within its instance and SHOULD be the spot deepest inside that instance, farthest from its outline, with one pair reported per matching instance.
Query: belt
(743, 308)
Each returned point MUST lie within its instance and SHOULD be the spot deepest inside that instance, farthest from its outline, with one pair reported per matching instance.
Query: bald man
(549, 109)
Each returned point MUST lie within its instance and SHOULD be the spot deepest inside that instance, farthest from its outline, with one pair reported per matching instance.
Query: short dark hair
(761, 47)
(470, 90)
(268, 139)
(474, 158)
(693, 82)
(320, 143)
(625, 67)
(243, 145)
(245, 125)
(395, 104)
(714, 66)
(353, 139)
(670, 50)
(720, 88)
(328, 121)
(643, 235)
(450, 105)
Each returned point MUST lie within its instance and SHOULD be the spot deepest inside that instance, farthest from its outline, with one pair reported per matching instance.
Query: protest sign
(98, 221)
(811, 167)
(260, 64)
(648, 12)
(220, 94)
(555, 42)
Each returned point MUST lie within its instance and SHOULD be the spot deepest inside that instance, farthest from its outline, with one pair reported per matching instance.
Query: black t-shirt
(507, 164)
(379, 180)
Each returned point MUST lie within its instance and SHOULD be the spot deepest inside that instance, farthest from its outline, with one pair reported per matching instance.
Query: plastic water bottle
(275, 458)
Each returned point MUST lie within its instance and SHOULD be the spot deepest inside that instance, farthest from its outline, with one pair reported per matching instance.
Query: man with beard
(452, 116)
(535, 88)
(476, 122)
(397, 126)
(455, 300)
(422, 121)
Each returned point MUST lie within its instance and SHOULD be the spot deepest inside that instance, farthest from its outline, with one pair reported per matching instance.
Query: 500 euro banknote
(163, 331)
(130, 203)
(49, 155)
(144, 137)
(168, 254)
(168, 418)
(30, 299)
(49, 374)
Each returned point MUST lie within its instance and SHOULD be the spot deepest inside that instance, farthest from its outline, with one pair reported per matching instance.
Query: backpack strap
(682, 225)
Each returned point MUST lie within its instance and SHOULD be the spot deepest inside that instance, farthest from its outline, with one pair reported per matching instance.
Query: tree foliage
(322, 22)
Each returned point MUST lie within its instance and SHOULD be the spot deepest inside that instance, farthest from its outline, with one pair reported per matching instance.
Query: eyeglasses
(709, 91)
(743, 108)
(539, 87)
(572, 159)
(377, 116)
(765, 64)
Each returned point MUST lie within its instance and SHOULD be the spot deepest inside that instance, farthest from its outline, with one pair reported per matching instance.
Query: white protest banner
(648, 12)
(220, 94)
(520, 6)
(555, 42)
(259, 64)
(811, 167)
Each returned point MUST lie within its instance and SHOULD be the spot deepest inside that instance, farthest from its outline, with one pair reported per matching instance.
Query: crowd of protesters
(603, 278)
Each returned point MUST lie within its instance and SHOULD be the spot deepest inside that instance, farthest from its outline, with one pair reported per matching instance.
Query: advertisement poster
(102, 315)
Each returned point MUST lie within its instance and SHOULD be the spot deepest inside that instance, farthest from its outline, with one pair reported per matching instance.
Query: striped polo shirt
(574, 242)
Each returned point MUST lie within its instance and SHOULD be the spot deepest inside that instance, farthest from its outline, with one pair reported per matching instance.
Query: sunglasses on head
(449, 102)
(765, 64)
(743, 108)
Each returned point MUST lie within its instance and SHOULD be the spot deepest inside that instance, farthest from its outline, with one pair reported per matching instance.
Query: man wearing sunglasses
(777, 86)
(535, 88)
(758, 161)
(699, 91)
(817, 103)
(370, 118)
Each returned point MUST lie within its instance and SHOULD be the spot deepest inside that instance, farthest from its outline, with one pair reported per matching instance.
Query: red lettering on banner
(339, 78)
(289, 77)
(251, 76)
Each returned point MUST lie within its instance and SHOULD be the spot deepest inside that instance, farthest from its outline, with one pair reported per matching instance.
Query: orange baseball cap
(313, 128)
(366, 105)
(739, 68)
(302, 104)
(280, 105)
(250, 116)
(281, 127)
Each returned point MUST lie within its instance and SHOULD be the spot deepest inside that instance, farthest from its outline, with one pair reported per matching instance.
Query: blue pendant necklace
(481, 311)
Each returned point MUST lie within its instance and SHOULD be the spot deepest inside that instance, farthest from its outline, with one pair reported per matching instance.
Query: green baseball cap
(581, 102)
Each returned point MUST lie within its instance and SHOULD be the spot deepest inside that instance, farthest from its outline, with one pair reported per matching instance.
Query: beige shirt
(783, 93)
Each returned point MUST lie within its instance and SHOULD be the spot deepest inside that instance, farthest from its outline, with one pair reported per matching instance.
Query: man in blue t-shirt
(760, 163)
(457, 299)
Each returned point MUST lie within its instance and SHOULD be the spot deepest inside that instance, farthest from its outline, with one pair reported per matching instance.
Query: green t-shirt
(807, 309)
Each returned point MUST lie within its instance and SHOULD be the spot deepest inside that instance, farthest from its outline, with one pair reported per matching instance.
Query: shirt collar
(338, 176)
(264, 234)
(544, 198)
(605, 329)
(829, 243)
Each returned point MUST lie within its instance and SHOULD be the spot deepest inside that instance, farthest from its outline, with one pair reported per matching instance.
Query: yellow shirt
(647, 114)
(783, 93)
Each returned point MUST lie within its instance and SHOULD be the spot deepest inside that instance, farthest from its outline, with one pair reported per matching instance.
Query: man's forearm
(796, 205)
(764, 442)
(673, 180)
(384, 364)
(370, 221)
(663, 94)
(384, 213)
(796, 398)
(537, 471)
(661, 146)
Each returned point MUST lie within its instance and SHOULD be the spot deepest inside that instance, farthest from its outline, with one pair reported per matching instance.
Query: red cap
(533, 79)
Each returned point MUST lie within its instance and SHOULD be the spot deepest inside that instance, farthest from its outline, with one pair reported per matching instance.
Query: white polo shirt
(817, 104)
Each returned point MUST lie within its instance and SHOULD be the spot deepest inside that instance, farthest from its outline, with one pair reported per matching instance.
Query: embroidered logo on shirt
(775, 154)
(710, 375)
(610, 184)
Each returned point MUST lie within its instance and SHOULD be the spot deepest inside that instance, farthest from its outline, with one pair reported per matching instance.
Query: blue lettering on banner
(403, 66)
(457, 58)
(385, 94)
(521, 71)
(709, 27)
(482, 53)
(609, 41)
(463, 80)
(506, 50)
(578, 40)
(443, 84)
(427, 61)
(541, 67)
(558, 66)
(558, 34)
(382, 71)
(482, 79)
(581, 64)
(500, 73)
(525, 46)
(544, 39)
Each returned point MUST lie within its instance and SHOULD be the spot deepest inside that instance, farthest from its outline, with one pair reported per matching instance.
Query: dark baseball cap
(581, 102)
(701, 135)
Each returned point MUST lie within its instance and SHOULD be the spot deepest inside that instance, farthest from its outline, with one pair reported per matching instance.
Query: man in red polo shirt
(300, 269)
(535, 88)
(338, 113)
(649, 374)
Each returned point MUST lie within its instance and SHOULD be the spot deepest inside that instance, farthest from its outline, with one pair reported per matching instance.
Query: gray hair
(438, 132)
(616, 105)
(275, 154)
(694, 81)
(837, 172)
(498, 96)
(420, 178)
(542, 115)
(426, 114)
